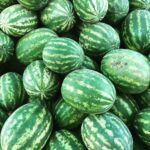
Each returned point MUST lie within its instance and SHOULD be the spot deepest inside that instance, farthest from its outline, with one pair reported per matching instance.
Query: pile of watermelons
(75, 74)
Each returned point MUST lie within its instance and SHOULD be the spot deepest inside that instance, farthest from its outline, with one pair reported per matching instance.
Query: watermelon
(141, 125)
(117, 10)
(28, 127)
(128, 69)
(33, 4)
(91, 11)
(28, 49)
(64, 140)
(12, 92)
(58, 15)
(88, 91)
(106, 132)
(6, 3)
(3, 118)
(17, 21)
(135, 30)
(98, 39)
(139, 4)
(39, 81)
(66, 116)
(63, 55)
(6, 47)
(125, 107)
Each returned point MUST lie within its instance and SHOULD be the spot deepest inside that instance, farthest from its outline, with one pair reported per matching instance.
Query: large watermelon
(39, 81)
(29, 127)
(30, 46)
(6, 3)
(88, 91)
(91, 10)
(17, 21)
(139, 4)
(98, 39)
(141, 125)
(64, 140)
(106, 132)
(58, 15)
(6, 47)
(135, 30)
(125, 107)
(66, 116)
(128, 69)
(33, 4)
(63, 55)
(12, 92)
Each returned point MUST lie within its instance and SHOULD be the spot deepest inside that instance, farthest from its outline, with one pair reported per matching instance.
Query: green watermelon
(12, 92)
(88, 91)
(30, 46)
(128, 69)
(125, 107)
(58, 15)
(6, 3)
(17, 21)
(66, 116)
(63, 55)
(106, 132)
(3, 118)
(91, 11)
(64, 140)
(98, 39)
(39, 81)
(135, 30)
(139, 4)
(28, 127)
(117, 10)
(33, 4)
(141, 125)
(6, 47)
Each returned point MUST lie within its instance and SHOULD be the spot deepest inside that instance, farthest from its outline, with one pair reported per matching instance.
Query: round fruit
(139, 4)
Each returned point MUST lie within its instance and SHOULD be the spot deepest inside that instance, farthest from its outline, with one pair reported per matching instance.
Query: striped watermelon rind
(88, 91)
(58, 16)
(31, 126)
(128, 69)
(16, 26)
(139, 4)
(106, 131)
(39, 81)
(28, 49)
(63, 55)
(91, 11)
(6, 3)
(135, 30)
(65, 140)
(10, 99)
(7, 47)
(98, 39)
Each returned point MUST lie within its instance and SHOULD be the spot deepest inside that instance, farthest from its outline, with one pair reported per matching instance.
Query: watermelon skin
(117, 10)
(66, 116)
(28, 49)
(10, 99)
(98, 39)
(63, 55)
(6, 3)
(33, 4)
(6, 47)
(58, 16)
(40, 82)
(3, 117)
(88, 91)
(91, 11)
(141, 125)
(31, 126)
(128, 69)
(106, 131)
(135, 30)
(64, 140)
(139, 4)
(125, 107)
(18, 20)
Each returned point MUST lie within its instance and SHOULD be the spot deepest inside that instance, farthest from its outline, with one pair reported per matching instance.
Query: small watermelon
(139, 4)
